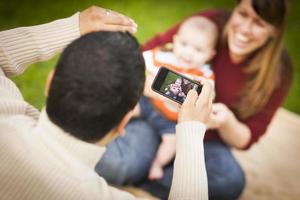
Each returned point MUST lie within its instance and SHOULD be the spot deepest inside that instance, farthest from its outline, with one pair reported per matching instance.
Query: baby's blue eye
(183, 43)
(198, 49)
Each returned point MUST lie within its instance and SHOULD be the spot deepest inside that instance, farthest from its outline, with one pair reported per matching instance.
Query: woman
(253, 74)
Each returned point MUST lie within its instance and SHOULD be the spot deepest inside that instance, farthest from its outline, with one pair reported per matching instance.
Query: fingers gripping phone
(173, 85)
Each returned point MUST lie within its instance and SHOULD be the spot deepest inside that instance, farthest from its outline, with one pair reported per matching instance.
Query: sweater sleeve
(189, 177)
(22, 46)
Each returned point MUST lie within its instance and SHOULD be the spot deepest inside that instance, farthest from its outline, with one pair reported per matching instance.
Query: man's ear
(120, 129)
(117, 131)
(48, 82)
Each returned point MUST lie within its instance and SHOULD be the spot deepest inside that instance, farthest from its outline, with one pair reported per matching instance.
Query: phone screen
(173, 85)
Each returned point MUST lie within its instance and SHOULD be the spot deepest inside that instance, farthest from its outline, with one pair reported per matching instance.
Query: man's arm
(20, 47)
(23, 46)
(189, 176)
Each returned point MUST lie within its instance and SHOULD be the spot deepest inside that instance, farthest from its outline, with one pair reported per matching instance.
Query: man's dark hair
(98, 79)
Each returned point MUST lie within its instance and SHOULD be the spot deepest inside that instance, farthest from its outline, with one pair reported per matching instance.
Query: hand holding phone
(197, 107)
(173, 85)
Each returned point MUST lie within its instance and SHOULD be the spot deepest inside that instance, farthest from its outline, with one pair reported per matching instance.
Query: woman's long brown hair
(265, 67)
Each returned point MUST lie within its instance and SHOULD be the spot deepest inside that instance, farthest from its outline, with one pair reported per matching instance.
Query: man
(98, 81)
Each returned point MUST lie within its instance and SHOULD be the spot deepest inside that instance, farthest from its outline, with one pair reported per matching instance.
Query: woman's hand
(197, 108)
(219, 116)
(233, 132)
(100, 19)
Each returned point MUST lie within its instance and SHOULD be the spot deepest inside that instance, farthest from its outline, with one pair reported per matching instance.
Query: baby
(175, 90)
(193, 47)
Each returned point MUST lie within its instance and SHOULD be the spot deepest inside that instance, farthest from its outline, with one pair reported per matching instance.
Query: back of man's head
(98, 79)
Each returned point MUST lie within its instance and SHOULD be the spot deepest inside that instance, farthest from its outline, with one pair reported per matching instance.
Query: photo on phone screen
(173, 85)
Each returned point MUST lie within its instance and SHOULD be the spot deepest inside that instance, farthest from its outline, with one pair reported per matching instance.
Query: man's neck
(108, 138)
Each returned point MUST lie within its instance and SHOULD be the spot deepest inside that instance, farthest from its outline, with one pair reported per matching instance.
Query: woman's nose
(246, 26)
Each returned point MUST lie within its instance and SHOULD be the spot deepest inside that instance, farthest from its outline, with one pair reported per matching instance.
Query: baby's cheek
(174, 90)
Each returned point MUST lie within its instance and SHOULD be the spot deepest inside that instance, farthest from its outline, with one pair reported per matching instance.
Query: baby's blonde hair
(203, 25)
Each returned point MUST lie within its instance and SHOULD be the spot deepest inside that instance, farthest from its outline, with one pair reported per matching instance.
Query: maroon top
(230, 79)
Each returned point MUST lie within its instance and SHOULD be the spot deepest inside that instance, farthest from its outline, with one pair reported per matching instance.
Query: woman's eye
(242, 13)
(259, 23)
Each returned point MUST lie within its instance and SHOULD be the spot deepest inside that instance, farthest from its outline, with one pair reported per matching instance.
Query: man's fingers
(191, 98)
(206, 94)
(204, 101)
(199, 79)
(109, 27)
(114, 18)
(118, 19)
(99, 19)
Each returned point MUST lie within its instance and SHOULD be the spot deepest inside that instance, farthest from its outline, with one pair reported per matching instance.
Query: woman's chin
(238, 51)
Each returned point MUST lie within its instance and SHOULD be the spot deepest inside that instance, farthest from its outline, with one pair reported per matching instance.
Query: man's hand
(197, 108)
(99, 19)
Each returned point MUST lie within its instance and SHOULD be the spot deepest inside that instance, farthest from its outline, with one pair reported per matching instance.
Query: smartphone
(173, 85)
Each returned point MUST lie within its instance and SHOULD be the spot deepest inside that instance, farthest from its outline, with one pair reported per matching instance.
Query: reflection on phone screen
(177, 87)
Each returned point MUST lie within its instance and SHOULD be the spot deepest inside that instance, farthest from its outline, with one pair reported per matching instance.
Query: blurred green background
(151, 16)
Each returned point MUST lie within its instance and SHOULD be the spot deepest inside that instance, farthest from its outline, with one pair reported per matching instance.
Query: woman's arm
(242, 134)
(233, 132)
(20, 47)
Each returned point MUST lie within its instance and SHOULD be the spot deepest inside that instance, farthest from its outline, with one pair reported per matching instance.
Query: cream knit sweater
(41, 161)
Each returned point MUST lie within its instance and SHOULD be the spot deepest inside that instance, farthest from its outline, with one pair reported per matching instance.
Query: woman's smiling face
(247, 31)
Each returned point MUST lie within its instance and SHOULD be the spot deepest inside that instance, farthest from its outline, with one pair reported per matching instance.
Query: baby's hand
(155, 172)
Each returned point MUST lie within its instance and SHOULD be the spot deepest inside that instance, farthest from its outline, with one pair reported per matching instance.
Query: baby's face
(178, 82)
(175, 89)
(193, 49)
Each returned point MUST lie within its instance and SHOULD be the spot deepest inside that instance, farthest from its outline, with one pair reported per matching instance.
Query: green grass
(171, 78)
(151, 16)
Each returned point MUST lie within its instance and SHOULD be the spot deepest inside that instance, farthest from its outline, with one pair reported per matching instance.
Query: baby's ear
(212, 54)
(175, 37)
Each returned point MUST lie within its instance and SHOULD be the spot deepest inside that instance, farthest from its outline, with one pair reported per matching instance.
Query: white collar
(89, 153)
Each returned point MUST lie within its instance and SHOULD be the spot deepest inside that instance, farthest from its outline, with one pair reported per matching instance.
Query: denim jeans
(154, 118)
(127, 161)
